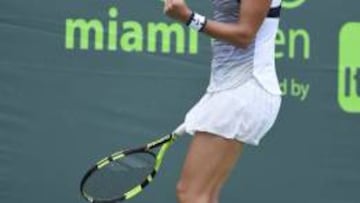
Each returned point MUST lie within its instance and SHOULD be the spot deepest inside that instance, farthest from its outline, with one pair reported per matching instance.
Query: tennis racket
(124, 174)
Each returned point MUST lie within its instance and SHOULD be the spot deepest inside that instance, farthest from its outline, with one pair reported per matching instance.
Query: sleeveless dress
(243, 97)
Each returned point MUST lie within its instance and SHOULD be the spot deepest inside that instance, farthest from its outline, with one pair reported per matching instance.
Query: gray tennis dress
(243, 97)
(232, 66)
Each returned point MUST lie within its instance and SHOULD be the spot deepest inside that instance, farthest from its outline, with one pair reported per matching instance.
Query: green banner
(81, 79)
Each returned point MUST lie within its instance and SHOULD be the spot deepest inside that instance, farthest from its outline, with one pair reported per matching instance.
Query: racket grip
(180, 130)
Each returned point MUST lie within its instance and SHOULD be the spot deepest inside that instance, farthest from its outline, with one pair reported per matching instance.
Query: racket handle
(180, 130)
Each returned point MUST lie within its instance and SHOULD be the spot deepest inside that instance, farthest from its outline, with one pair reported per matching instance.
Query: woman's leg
(209, 161)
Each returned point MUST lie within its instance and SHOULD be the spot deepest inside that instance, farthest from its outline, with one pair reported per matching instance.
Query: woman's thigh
(209, 161)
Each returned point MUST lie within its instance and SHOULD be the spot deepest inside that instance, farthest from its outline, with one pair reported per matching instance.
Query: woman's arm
(241, 34)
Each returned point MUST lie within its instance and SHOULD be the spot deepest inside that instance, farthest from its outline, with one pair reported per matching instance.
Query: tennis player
(243, 97)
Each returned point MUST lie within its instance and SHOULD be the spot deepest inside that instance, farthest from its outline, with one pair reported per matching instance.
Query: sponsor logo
(291, 4)
(116, 34)
(349, 68)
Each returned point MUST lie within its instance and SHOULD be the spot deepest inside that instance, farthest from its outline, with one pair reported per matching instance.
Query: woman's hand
(177, 9)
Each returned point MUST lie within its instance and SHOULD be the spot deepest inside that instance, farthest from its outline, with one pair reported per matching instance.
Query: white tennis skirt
(245, 113)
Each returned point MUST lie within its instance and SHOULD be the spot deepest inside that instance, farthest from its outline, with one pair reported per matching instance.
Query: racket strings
(118, 177)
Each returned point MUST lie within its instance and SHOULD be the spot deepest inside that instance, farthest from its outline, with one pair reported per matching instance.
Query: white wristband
(197, 21)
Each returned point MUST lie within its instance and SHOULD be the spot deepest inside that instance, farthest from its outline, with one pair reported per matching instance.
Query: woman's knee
(187, 194)
(182, 192)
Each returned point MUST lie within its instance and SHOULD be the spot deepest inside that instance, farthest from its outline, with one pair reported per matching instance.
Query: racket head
(124, 174)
